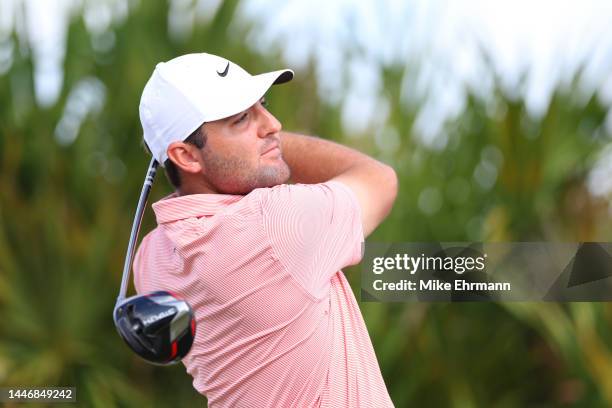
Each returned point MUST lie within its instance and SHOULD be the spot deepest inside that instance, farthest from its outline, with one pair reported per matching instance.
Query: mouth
(274, 148)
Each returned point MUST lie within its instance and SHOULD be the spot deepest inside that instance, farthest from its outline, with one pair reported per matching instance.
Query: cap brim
(286, 75)
(247, 95)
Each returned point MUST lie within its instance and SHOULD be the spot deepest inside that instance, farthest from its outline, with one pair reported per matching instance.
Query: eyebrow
(236, 115)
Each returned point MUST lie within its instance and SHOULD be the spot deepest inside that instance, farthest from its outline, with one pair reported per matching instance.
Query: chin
(274, 175)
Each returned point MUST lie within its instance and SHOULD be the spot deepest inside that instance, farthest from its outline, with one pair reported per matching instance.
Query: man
(257, 259)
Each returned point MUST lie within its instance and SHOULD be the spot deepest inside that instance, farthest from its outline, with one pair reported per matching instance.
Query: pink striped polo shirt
(277, 322)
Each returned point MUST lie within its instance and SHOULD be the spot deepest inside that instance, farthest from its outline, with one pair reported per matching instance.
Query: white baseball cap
(189, 90)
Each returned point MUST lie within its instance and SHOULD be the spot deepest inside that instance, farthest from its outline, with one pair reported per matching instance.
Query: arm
(313, 160)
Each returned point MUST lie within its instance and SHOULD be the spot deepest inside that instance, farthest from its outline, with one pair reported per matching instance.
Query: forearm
(314, 160)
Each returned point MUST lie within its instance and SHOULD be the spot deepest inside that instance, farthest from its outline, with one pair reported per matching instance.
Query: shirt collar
(173, 207)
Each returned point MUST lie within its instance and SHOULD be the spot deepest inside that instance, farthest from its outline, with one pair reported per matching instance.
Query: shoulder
(302, 194)
(315, 204)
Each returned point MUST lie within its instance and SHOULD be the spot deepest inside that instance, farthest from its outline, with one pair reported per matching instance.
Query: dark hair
(198, 139)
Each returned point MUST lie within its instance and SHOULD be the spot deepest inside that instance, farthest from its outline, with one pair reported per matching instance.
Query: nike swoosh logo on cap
(224, 73)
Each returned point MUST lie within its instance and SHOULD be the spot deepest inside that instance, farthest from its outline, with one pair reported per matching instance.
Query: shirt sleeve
(315, 230)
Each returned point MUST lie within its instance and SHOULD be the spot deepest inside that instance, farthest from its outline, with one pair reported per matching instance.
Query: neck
(195, 187)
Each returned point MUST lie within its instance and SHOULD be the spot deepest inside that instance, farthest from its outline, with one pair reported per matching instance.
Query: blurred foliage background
(70, 174)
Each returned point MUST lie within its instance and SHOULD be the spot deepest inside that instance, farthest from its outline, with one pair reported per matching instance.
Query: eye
(264, 102)
(241, 118)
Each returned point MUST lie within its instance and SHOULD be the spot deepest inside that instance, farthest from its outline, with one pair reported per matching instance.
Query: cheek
(230, 161)
(244, 151)
(240, 153)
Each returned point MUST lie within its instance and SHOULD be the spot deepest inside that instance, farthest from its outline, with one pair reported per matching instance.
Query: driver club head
(158, 326)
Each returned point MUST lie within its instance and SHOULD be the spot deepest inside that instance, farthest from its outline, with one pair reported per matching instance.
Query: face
(243, 152)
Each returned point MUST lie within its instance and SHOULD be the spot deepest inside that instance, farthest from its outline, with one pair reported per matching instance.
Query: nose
(269, 124)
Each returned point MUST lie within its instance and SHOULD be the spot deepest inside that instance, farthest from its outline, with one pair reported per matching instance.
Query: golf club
(158, 326)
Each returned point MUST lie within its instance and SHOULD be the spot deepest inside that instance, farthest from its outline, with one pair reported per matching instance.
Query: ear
(186, 157)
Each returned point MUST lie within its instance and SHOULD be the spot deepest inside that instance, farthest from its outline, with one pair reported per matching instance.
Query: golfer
(258, 259)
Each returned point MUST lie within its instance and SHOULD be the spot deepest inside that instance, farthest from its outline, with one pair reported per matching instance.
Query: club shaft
(142, 203)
